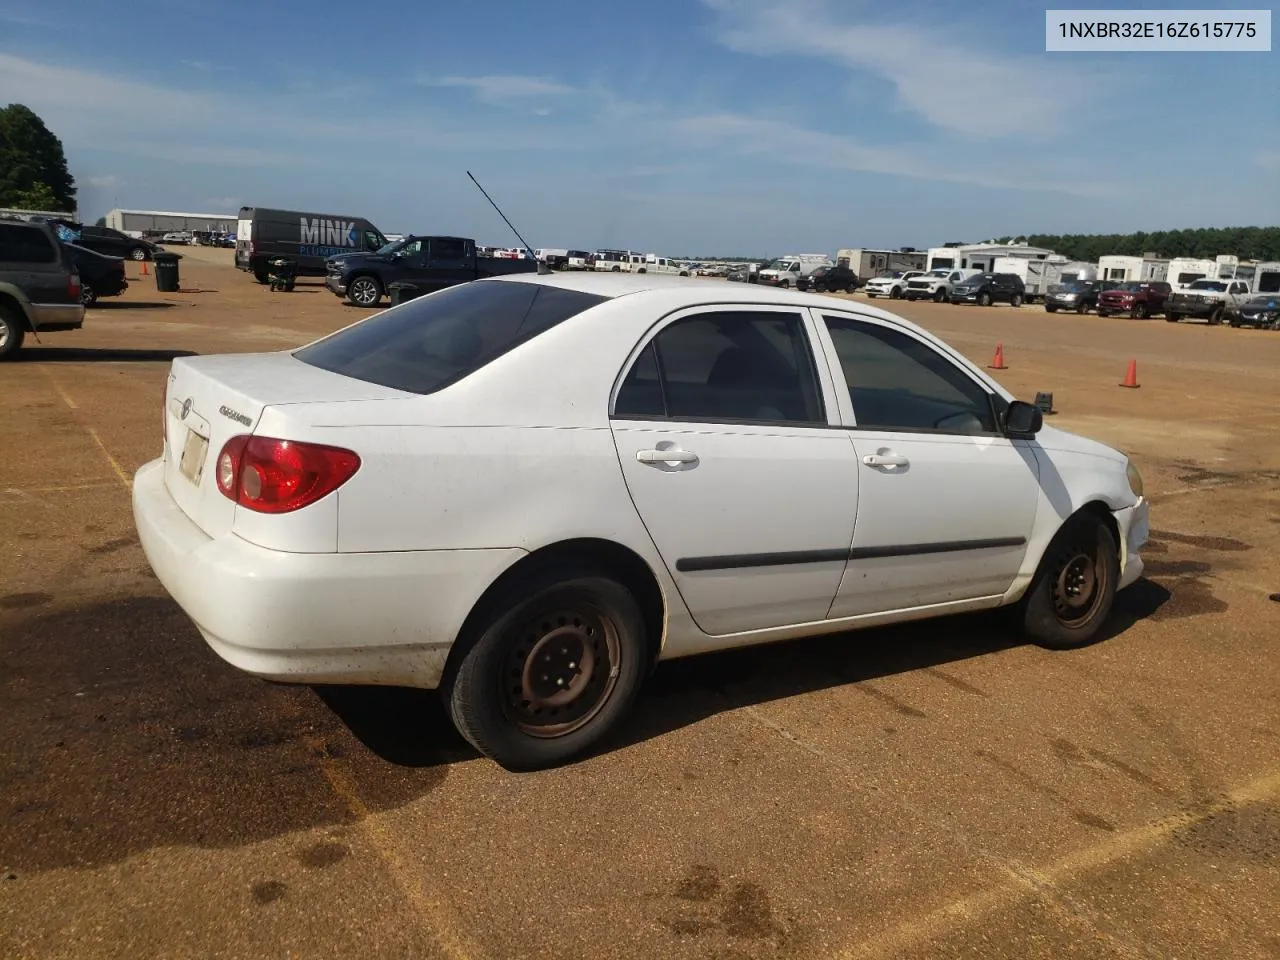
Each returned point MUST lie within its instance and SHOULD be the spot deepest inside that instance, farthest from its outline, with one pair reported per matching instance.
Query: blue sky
(687, 128)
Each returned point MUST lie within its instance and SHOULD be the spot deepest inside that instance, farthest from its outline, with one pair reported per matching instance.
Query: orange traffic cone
(1131, 376)
(144, 268)
(998, 362)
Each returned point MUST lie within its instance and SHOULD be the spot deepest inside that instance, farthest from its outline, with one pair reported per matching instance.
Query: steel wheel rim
(560, 671)
(364, 292)
(1079, 584)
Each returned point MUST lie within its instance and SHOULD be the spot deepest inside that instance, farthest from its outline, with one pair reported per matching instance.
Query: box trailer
(1187, 270)
(1125, 268)
(866, 263)
(1037, 275)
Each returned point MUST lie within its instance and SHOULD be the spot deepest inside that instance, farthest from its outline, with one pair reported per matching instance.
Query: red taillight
(277, 476)
(73, 286)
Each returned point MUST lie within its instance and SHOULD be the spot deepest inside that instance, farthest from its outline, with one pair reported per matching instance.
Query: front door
(945, 501)
(748, 492)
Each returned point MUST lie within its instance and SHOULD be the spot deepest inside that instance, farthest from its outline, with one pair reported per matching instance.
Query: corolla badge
(186, 407)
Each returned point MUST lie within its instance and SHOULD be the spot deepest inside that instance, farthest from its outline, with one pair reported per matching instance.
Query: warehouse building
(162, 221)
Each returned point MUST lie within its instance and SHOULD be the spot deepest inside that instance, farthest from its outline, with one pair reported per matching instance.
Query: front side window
(899, 383)
(726, 366)
(433, 341)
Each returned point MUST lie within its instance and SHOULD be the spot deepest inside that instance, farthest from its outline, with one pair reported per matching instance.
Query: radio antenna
(542, 267)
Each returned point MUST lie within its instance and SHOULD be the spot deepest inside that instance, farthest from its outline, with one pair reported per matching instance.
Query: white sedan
(525, 491)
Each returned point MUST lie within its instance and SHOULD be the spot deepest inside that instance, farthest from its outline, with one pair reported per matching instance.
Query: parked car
(425, 498)
(1212, 300)
(39, 285)
(1261, 310)
(1078, 295)
(429, 263)
(310, 240)
(104, 240)
(936, 285)
(100, 276)
(984, 289)
(1138, 298)
(892, 285)
(829, 280)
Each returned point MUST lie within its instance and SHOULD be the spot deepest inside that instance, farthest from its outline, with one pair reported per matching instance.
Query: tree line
(1247, 243)
(33, 167)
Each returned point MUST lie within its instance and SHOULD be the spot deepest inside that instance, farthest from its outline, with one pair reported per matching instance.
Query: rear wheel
(1071, 595)
(88, 296)
(364, 291)
(551, 672)
(12, 332)
(1015, 300)
(138, 253)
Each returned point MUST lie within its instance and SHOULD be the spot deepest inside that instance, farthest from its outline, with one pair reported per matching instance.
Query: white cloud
(104, 182)
(937, 74)
(503, 90)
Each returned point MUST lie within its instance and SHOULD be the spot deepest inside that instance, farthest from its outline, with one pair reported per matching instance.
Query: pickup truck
(936, 284)
(39, 286)
(429, 263)
(1213, 300)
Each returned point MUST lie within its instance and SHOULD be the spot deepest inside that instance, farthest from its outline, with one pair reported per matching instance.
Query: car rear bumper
(373, 618)
(56, 316)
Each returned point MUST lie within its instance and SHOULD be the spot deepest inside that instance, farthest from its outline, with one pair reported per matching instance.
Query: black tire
(1173, 317)
(260, 272)
(1015, 300)
(1050, 308)
(1082, 307)
(870, 295)
(615, 269)
(1103, 313)
(88, 296)
(850, 289)
(138, 253)
(895, 293)
(939, 295)
(1071, 595)
(364, 291)
(984, 299)
(12, 332)
(491, 694)
(785, 284)
(1215, 318)
(1139, 312)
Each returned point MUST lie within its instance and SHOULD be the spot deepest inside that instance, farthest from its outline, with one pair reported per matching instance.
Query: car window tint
(21, 244)
(897, 382)
(725, 366)
(433, 341)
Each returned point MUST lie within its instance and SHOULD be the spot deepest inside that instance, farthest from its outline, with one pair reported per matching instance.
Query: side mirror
(1023, 420)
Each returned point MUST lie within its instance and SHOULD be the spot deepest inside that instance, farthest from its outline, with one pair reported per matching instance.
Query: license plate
(194, 452)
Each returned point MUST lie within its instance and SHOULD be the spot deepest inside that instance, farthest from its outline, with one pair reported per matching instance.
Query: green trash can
(402, 292)
(167, 272)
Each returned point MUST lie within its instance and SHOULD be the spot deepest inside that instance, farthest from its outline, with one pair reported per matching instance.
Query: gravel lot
(931, 791)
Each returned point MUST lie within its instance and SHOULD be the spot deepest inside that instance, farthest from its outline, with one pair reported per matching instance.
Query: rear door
(33, 259)
(946, 502)
(450, 261)
(746, 488)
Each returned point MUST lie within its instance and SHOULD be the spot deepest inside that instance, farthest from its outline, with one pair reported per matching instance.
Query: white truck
(785, 271)
(936, 284)
(1208, 299)
(613, 261)
(1037, 275)
(652, 263)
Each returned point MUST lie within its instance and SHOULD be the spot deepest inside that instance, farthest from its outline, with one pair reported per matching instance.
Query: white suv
(891, 286)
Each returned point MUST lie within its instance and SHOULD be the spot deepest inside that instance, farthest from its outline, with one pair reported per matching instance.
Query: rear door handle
(885, 460)
(666, 456)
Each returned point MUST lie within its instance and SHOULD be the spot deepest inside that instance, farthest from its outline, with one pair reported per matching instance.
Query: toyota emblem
(186, 407)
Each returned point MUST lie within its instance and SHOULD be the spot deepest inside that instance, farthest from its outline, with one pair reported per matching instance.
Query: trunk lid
(209, 400)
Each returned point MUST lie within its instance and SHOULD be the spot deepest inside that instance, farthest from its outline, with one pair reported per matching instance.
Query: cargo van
(309, 239)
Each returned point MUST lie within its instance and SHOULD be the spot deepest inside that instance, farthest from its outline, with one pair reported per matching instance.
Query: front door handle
(666, 456)
(885, 460)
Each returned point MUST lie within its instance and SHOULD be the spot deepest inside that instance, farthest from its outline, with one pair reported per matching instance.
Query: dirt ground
(931, 791)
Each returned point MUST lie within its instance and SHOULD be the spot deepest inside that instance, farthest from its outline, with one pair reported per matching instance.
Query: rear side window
(433, 341)
(25, 245)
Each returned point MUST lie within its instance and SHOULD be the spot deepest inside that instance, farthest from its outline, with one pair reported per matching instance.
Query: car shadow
(133, 305)
(103, 354)
(410, 727)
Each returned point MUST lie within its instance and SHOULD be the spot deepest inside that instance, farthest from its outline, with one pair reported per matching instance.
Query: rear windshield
(428, 343)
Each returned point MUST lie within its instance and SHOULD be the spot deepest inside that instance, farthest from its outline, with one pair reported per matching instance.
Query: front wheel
(1015, 300)
(1072, 593)
(870, 295)
(1103, 313)
(895, 293)
(552, 673)
(939, 295)
(1082, 308)
(364, 292)
(1139, 311)
(1173, 317)
(1049, 308)
(984, 299)
(1215, 318)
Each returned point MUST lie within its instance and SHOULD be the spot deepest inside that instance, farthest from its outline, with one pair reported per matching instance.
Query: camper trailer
(878, 263)
(1148, 267)
(1187, 270)
(1037, 275)
(981, 256)
(1078, 270)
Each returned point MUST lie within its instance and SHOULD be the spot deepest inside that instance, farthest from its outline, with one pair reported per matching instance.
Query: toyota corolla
(526, 491)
